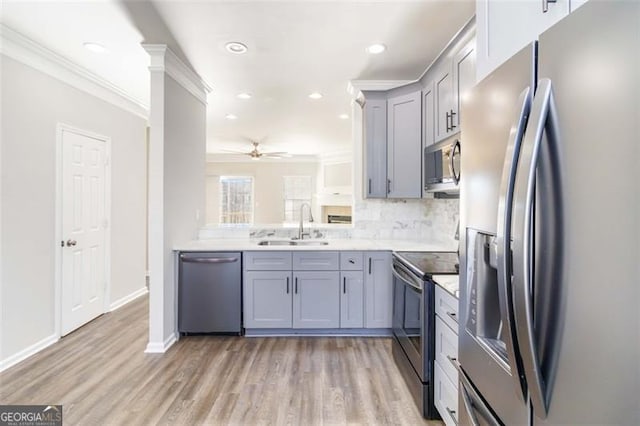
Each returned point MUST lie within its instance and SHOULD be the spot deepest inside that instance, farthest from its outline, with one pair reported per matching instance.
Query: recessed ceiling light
(95, 47)
(377, 48)
(231, 116)
(343, 116)
(315, 95)
(236, 47)
(243, 96)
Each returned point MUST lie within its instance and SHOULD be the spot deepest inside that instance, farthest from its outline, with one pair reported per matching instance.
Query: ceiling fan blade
(276, 153)
(234, 151)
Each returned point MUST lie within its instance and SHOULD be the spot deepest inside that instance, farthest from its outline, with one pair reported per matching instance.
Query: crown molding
(354, 87)
(164, 60)
(28, 52)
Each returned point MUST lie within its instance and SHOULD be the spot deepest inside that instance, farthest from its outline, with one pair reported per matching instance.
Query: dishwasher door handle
(208, 259)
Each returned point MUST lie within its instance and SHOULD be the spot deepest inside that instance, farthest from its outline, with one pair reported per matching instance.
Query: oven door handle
(403, 275)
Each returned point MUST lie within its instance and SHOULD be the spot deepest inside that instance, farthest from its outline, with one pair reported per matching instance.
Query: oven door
(408, 315)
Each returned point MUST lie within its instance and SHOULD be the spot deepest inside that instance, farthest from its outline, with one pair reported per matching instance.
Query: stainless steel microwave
(442, 167)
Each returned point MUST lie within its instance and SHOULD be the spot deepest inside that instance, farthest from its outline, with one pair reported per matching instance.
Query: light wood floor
(100, 375)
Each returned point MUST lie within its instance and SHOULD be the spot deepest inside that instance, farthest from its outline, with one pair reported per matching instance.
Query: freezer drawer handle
(187, 259)
(472, 401)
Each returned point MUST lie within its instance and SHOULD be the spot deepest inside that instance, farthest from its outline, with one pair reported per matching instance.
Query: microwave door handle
(543, 118)
(452, 168)
(503, 239)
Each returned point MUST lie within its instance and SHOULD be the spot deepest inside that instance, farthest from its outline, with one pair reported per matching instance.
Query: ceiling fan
(256, 154)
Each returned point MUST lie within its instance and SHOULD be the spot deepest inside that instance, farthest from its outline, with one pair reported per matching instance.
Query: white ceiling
(295, 48)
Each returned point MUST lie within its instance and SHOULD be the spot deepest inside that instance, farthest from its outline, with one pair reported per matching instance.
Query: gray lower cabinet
(378, 290)
(316, 299)
(267, 299)
(354, 293)
(351, 299)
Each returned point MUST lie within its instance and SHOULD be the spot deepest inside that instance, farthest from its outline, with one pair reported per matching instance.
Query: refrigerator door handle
(503, 239)
(542, 118)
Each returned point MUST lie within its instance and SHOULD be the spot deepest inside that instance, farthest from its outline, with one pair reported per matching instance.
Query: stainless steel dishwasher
(210, 293)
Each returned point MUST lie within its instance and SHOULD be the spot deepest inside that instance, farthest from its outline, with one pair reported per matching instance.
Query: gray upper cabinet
(351, 299)
(428, 115)
(316, 299)
(464, 72)
(375, 136)
(378, 290)
(505, 27)
(267, 299)
(404, 146)
(444, 102)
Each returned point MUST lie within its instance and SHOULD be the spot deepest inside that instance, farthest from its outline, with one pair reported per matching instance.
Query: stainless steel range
(414, 321)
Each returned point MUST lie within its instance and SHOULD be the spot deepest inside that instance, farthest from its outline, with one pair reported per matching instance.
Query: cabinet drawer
(446, 349)
(447, 308)
(351, 260)
(445, 396)
(316, 261)
(267, 260)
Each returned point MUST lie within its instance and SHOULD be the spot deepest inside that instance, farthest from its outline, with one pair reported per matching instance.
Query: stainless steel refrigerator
(550, 229)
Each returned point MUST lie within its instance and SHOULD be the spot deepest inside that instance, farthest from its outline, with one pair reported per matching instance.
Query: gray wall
(32, 105)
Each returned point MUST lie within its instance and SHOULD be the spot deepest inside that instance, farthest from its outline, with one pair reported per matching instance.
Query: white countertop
(450, 283)
(245, 244)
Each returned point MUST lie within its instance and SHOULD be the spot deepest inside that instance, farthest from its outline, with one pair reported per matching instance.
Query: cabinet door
(428, 134)
(351, 299)
(267, 299)
(505, 27)
(443, 86)
(464, 72)
(316, 299)
(404, 146)
(375, 137)
(378, 288)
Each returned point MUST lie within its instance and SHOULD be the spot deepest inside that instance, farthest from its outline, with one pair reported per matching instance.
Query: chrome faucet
(301, 232)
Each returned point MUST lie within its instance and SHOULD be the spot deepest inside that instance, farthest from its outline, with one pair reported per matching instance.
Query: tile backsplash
(429, 220)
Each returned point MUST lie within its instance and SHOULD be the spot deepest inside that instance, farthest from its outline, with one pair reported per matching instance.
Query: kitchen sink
(292, 243)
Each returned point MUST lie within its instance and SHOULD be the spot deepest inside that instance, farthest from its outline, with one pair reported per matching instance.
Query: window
(297, 191)
(236, 200)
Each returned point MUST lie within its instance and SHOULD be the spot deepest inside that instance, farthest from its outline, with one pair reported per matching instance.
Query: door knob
(71, 243)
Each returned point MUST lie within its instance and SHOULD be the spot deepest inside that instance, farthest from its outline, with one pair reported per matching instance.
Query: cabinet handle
(453, 126)
(448, 117)
(296, 285)
(369, 186)
(545, 5)
(344, 285)
(287, 285)
(369, 266)
(452, 414)
(452, 360)
(388, 186)
(453, 316)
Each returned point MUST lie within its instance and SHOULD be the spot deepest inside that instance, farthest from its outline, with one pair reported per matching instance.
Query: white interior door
(84, 225)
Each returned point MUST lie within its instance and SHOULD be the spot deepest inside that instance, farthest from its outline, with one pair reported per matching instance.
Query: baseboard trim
(124, 300)
(318, 332)
(161, 347)
(27, 352)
